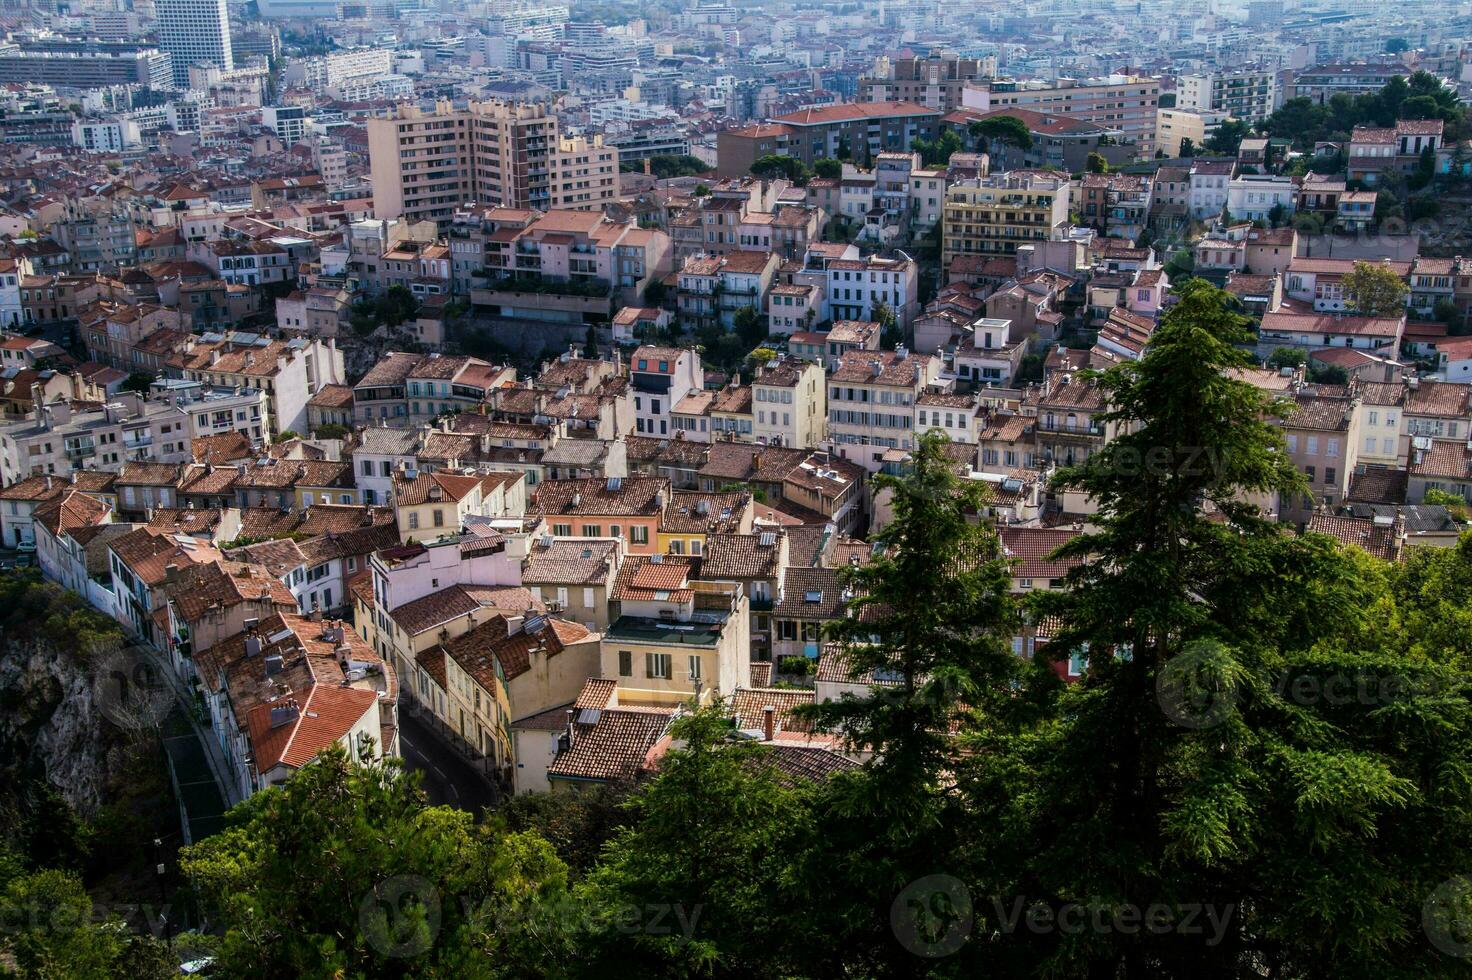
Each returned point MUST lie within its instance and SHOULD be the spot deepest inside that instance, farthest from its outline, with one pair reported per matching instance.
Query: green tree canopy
(775, 165)
(1008, 130)
(1194, 766)
(345, 871)
(1373, 289)
(828, 167)
(1227, 137)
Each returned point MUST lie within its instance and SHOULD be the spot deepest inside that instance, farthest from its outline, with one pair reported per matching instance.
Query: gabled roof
(633, 496)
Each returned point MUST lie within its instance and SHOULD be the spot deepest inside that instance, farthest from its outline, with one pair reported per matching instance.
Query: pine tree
(1210, 764)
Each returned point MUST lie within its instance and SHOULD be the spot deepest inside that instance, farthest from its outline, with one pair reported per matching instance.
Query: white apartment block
(194, 32)
(1248, 94)
(854, 287)
(287, 121)
(1252, 197)
(289, 372)
(106, 136)
(128, 429)
(327, 71)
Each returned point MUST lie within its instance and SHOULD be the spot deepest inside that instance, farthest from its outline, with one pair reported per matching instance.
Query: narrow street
(447, 778)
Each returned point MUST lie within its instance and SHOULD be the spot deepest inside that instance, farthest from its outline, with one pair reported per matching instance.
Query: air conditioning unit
(554, 605)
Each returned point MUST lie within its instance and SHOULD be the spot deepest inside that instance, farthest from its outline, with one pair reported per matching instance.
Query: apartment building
(675, 637)
(62, 439)
(789, 404)
(573, 260)
(1255, 197)
(1323, 437)
(863, 129)
(855, 287)
(1210, 184)
(1247, 94)
(871, 403)
(327, 71)
(430, 507)
(661, 377)
(1057, 140)
(1127, 103)
(1178, 129)
(1322, 82)
(73, 63)
(1375, 150)
(629, 508)
(994, 215)
(290, 372)
(935, 82)
(279, 694)
(502, 154)
(714, 288)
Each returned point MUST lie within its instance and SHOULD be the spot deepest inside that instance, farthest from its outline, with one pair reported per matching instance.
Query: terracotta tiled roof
(186, 520)
(1438, 398)
(70, 511)
(806, 763)
(635, 496)
(278, 557)
(1362, 532)
(812, 594)
(597, 692)
(1447, 458)
(1030, 547)
(747, 704)
(148, 551)
(879, 368)
(693, 512)
(616, 746)
(1328, 414)
(221, 584)
(150, 474)
(441, 607)
(454, 487)
(227, 447)
(280, 474)
(742, 556)
(1378, 486)
(332, 396)
(569, 562)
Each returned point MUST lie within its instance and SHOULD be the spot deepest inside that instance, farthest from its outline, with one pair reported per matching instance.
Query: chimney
(569, 727)
(769, 723)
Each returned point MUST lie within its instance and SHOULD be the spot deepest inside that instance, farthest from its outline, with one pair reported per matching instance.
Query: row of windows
(638, 533)
(659, 666)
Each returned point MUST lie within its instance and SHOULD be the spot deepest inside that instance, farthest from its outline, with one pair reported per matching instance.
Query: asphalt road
(447, 778)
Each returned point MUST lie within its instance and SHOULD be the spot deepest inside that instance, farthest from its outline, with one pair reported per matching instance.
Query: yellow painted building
(993, 215)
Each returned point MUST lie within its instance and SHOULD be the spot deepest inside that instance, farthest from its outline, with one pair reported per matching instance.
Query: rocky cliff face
(52, 726)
